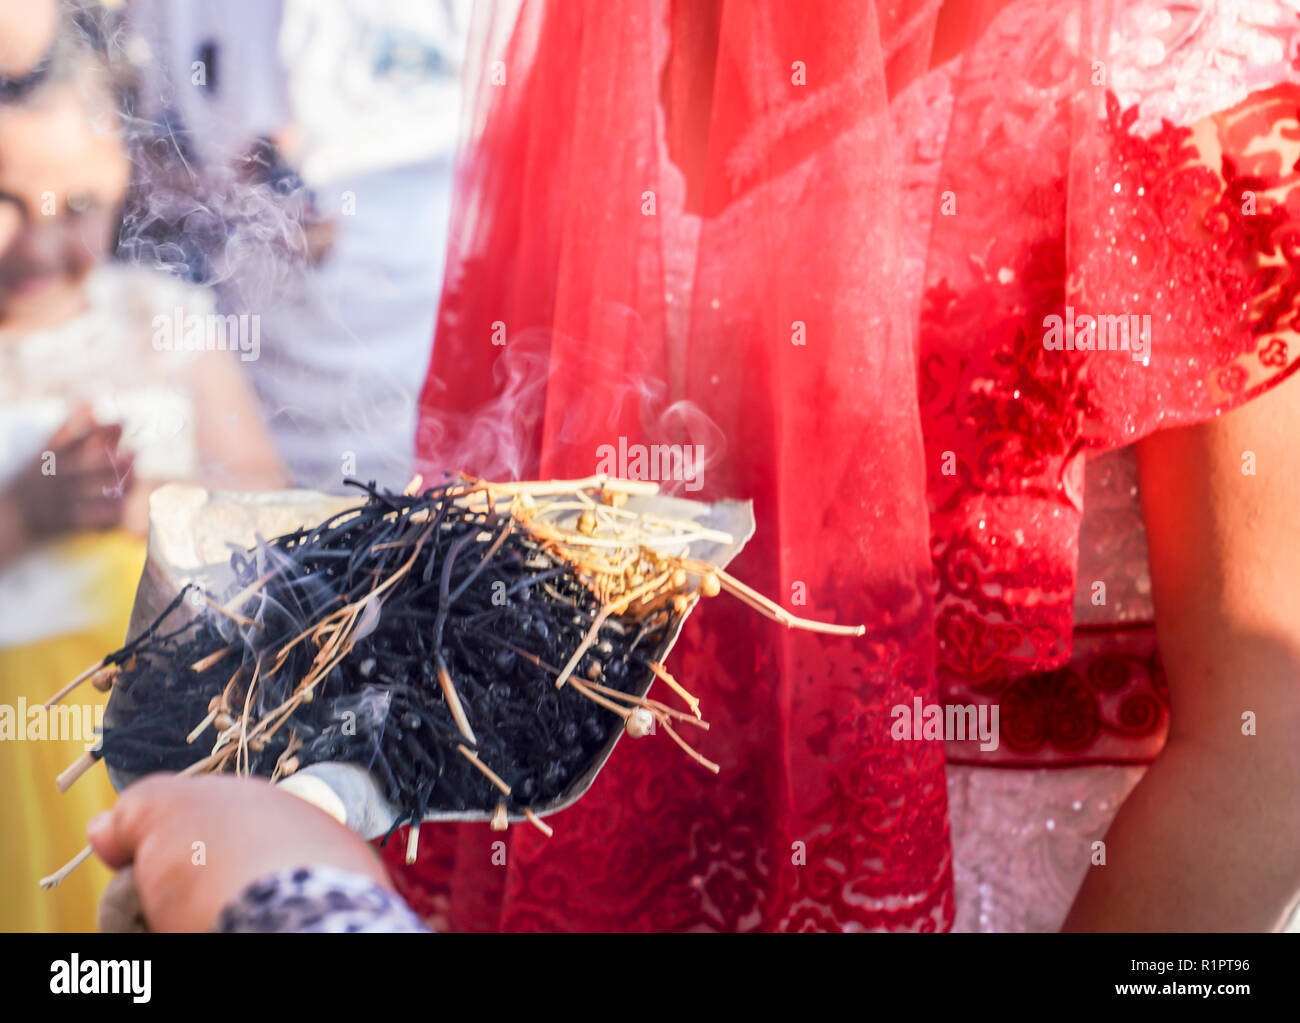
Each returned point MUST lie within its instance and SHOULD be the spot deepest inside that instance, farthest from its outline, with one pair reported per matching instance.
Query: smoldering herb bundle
(476, 646)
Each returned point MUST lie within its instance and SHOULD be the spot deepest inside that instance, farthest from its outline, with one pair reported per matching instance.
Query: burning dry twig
(384, 633)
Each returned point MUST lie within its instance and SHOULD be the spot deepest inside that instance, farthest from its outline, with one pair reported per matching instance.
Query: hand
(86, 488)
(196, 843)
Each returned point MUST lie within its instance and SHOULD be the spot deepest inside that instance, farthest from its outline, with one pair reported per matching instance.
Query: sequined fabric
(1198, 235)
(926, 463)
(1042, 601)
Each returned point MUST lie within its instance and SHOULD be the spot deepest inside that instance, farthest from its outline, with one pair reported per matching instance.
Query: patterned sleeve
(317, 899)
(1190, 221)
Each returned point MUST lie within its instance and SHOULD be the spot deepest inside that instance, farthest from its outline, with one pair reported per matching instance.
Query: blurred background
(222, 228)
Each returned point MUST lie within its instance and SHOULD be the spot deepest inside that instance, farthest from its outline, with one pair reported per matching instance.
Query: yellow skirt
(43, 829)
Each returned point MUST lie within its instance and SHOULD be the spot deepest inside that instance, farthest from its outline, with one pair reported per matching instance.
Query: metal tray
(192, 533)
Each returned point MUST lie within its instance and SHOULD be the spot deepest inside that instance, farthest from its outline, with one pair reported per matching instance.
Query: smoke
(500, 438)
(213, 203)
(236, 228)
(240, 226)
(234, 223)
(497, 440)
(683, 424)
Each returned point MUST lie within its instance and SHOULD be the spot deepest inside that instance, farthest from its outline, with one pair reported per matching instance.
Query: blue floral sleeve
(317, 899)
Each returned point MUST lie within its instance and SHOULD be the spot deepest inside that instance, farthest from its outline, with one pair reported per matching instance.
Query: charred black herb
(483, 600)
(473, 659)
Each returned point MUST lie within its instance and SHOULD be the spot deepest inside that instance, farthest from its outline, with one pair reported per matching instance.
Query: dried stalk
(495, 779)
(539, 824)
(74, 771)
(60, 875)
(615, 551)
(86, 676)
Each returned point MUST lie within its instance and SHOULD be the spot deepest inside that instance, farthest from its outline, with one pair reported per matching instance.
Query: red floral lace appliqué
(1211, 258)
(659, 844)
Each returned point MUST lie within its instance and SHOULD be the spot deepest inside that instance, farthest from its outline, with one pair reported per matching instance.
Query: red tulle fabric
(704, 223)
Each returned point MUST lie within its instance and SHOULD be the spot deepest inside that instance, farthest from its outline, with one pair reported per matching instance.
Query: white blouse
(118, 356)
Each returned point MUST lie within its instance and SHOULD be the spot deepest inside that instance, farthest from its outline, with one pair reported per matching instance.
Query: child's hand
(80, 481)
(196, 843)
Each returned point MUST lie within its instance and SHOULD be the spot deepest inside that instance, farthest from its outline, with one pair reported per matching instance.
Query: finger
(92, 464)
(54, 502)
(98, 513)
(97, 447)
(123, 478)
(116, 834)
(101, 481)
(115, 850)
(110, 434)
(86, 482)
(79, 423)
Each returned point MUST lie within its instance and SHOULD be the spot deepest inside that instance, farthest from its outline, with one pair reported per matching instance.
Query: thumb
(77, 426)
(116, 833)
(111, 844)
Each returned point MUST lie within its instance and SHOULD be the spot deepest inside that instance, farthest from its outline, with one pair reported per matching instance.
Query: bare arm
(1210, 838)
(234, 448)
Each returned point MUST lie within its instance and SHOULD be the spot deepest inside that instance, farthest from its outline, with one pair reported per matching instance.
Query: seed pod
(639, 723)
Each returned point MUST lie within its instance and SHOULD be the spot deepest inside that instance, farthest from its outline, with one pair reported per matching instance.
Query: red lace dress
(768, 229)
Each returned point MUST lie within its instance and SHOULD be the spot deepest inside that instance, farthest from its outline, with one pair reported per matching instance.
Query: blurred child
(100, 401)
